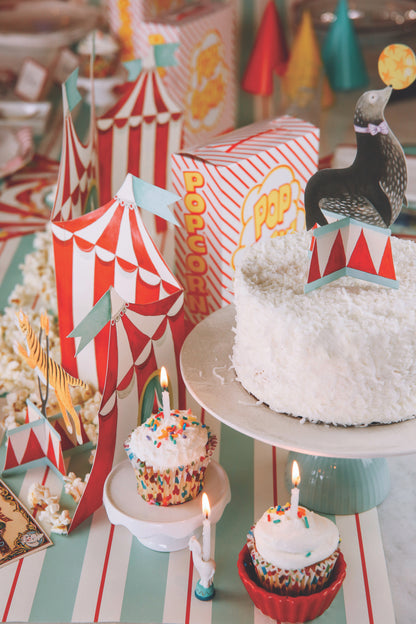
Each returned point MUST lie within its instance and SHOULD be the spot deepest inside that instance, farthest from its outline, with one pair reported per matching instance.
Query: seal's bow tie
(373, 129)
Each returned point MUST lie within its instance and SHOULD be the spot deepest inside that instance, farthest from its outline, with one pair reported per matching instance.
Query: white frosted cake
(344, 353)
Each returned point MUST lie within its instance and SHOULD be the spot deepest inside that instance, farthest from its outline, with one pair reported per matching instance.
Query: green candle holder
(339, 486)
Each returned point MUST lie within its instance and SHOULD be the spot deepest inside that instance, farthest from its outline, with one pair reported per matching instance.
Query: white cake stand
(164, 529)
(345, 467)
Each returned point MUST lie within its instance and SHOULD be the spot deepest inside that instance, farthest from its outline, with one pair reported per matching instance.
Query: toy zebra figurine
(50, 372)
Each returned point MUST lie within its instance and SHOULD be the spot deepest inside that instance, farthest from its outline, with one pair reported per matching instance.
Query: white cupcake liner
(171, 486)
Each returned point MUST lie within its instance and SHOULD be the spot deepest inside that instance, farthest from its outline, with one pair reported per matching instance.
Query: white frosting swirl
(291, 543)
(169, 442)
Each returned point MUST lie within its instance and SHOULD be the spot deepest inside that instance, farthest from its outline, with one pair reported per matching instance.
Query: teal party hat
(341, 53)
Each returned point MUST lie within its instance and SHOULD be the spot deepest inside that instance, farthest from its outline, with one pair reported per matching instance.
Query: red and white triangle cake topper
(353, 248)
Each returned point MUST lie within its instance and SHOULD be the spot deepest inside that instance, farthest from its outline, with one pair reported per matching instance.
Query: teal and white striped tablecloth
(100, 573)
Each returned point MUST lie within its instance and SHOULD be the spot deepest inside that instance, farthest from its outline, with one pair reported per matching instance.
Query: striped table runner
(100, 573)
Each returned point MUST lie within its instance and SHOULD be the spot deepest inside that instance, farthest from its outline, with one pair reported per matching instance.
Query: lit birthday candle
(165, 392)
(206, 529)
(294, 498)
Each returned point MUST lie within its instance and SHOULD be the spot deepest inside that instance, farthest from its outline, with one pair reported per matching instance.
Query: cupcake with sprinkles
(293, 554)
(170, 453)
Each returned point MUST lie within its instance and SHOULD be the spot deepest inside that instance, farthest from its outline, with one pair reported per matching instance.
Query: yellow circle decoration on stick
(397, 66)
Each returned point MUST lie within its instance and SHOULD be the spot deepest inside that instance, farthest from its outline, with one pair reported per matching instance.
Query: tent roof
(146, 101)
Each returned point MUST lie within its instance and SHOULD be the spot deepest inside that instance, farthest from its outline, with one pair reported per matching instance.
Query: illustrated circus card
(20, 534)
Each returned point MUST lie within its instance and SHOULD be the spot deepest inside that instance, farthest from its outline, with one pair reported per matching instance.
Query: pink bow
(373, 129)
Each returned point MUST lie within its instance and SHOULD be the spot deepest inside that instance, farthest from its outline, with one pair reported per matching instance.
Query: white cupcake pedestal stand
(343, 469)
(164, 529)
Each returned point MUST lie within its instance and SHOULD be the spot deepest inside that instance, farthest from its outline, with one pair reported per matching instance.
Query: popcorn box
(125, 18)
(247, 184)
(203, 83)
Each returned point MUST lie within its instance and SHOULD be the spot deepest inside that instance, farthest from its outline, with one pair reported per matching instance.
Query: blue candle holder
(204, 593)
(342, 486)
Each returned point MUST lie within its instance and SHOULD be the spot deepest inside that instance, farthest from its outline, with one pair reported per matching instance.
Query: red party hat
(269, 54)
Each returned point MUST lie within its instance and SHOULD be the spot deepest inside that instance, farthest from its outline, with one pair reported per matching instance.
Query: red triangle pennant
(66, 442)
(361, 258)
(50, 452)
(386, 268)
(11, 459)
(60, 464)
(337, 259)
(314, 272)
(33, 449)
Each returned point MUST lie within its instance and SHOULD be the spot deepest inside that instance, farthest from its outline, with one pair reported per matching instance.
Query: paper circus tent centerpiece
(141, 337)
(108, 247)
(140, 132)
(78, 172)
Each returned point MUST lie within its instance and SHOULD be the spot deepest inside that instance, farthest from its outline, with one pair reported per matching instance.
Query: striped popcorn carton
(203, 83)
(242, 186)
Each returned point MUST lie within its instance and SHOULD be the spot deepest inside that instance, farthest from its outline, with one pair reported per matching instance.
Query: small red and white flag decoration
(353, 248)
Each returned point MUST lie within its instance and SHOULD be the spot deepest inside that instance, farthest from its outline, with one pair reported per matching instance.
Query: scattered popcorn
(61, 523)
(18, 382)
(75, 486)
(41, 499)
(39, 496)
(36, 294)
(89, 416)
(48, 514)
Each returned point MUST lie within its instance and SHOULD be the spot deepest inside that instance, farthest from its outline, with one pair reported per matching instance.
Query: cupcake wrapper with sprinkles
(303, 581)
(171, 486)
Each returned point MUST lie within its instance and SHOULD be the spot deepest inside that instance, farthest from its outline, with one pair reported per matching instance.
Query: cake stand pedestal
(164, 529)
(343, 469)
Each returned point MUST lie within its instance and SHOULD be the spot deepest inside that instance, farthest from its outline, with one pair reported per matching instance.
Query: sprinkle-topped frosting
(169, 442)
(295, 543)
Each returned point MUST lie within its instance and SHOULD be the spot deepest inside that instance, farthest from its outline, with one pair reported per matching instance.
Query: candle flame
(206, 508)
(295, 474)
(163, 378)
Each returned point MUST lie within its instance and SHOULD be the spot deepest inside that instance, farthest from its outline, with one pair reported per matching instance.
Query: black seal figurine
(373, 188)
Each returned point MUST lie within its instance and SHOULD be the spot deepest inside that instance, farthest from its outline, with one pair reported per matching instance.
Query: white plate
(17, 113)
(162, 528)
(16, 150)
(210, 378)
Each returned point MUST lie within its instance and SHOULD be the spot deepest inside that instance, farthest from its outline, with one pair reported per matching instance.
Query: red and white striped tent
(142, 337)
(77, 179)
(138, 135)
(107, 247)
